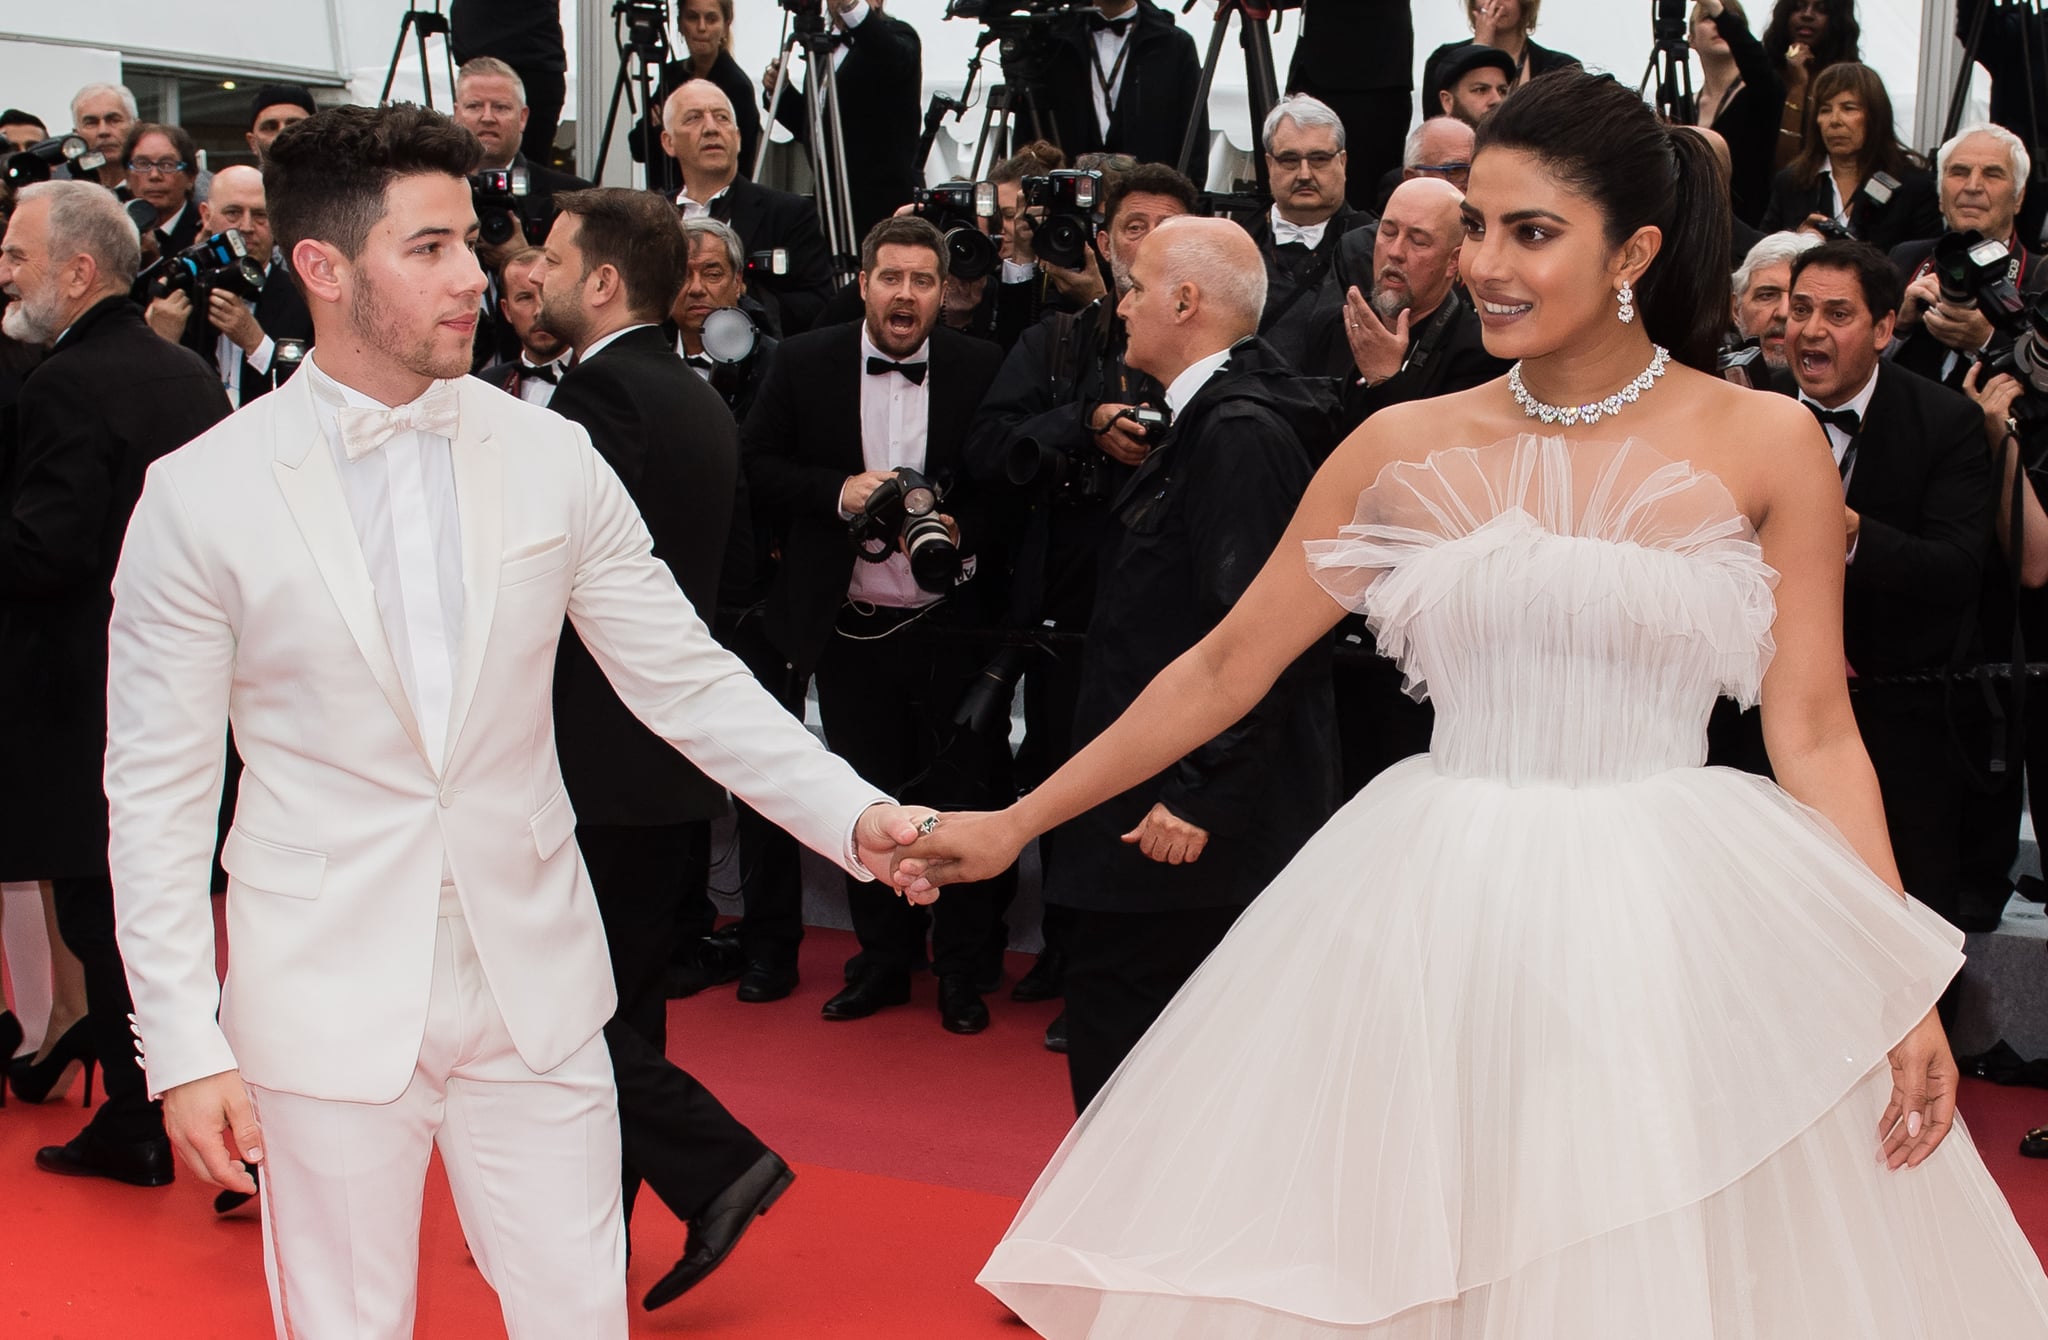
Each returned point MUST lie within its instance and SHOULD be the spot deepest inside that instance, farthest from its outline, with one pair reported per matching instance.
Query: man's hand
(1120, 439)
(881, 835)
(1920, 295)
(853, 494)
(962, 848)
(1082, 286)
(1376, 350)
(768, 82)
(213, 1127)
(1995, 400)
(1167, 838)
(231, 316)
(167, 316)
(1962, 329)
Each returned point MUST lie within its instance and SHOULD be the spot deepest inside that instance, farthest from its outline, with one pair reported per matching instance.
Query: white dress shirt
(539, 390)
(1019, 272)
(1309, 235)
(401, 498)
(1110, 50)
(693, 209)
(1838, 440)
(855, 15)
(228, 358)
(895, 418)
(1192, 379)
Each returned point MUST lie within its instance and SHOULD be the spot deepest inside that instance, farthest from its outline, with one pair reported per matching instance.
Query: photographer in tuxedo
(108, 400)
(162, 163)
(843, 410)
(878, 64)
(543, 358)
(1126, 81)
(612, 265)
(1919, 497)
(236, 335)
(699, 134)
(367, 573)
(1156, 876)
(490, 103)
(1301, 238)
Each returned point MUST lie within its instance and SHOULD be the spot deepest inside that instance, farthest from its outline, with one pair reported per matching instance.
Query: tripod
(809, 38)
(1262, 86)
(641, 33)
(1670, 63)
(2029, 17)
(420, 24)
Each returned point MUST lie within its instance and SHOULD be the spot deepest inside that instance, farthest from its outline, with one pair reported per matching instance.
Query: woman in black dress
(1851, 171)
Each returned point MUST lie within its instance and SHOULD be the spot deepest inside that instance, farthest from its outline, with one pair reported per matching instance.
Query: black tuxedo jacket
(280, 310)
(543, 184)
(803, 440)
(881, 87)
(1304, 316)
(183, 234)
(1161, 84)
(77, 470)
(1914, 211)
(1918, 351)
(766, 218)
(674, 446)
(1453, 358)
(1924, 489)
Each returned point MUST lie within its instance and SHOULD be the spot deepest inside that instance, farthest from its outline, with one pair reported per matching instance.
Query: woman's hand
(1798, 68)
(961, 848)
(1923, 1105)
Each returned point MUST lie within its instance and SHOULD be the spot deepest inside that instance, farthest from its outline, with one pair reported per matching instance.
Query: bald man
(1155, 877)
(700, 133)
(240, 337)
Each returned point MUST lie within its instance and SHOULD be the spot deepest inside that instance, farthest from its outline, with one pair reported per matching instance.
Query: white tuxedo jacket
(243, 596)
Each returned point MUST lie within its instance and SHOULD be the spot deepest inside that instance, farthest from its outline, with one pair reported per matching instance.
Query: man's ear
(321, 268)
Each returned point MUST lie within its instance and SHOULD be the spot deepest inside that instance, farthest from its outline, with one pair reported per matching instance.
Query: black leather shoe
(1056, 1034)
(715, 1230)
(1045, 981)
(871, 990)
(138, 1163)
(765, 980)
(961, 1008)
(710, 960)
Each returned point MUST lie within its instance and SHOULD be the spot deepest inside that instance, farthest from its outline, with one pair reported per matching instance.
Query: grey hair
(1411, 150)
(2005, 139)
(1207, 263)
(735, 250)
(120, 91)
(87, 218)
(1304, 111)
(489, 67)
(1771, 249)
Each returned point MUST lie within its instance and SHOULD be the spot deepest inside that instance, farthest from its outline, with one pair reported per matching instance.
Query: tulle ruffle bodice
(1572, 609)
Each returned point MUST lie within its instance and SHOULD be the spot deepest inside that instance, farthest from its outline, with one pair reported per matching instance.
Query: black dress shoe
(710, 960)
(1045, 981)
(871, 990)
(138, 1163)
(765, 980)
(961, 1008)
(715, 1230)
(1056, 1034)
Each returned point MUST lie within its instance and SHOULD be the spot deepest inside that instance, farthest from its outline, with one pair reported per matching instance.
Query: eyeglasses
(1318, 160)
(150, 167)
(1444, 169)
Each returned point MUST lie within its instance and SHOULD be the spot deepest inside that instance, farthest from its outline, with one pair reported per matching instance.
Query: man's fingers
(243, 1128)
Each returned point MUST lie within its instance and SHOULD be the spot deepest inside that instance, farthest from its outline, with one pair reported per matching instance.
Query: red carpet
(913, 1148)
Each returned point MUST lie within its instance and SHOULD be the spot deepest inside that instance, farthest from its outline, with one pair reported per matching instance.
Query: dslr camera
(1081, 476)
(220, 262)
(40, 161)
(497, 194)
(902, 514)
(1067, 212)
(1975, 271)
(961, 211)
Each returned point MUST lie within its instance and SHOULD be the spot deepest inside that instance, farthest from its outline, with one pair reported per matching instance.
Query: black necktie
(914, 371)
(1100, 23)
(545, 372)
(1845, 419)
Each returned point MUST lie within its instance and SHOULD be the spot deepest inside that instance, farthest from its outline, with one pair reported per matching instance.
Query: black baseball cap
(270, 95)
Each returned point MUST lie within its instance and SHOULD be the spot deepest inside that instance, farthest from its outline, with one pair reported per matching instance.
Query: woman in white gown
(1554, 1033)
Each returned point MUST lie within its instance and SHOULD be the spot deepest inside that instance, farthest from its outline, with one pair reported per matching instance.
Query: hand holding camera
(1121, 433)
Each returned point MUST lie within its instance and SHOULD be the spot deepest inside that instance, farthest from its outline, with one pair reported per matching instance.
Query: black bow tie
(915, 371)
(545, 372)
(698, 361)
(1102, 23)
(1848, 420)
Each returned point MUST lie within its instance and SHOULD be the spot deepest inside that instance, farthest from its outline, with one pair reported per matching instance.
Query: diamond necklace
(1599, 409)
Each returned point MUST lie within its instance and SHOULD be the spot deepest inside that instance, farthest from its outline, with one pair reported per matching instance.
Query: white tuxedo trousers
(532, 1161)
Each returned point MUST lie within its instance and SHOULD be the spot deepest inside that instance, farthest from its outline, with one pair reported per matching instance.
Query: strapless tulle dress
(1553, 1033)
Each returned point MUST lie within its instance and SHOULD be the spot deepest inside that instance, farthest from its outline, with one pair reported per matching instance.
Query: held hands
(1923, 1104)
(1376, 350)
(882, 835)
(1165, 837)
(961, 848)
(213, 1127)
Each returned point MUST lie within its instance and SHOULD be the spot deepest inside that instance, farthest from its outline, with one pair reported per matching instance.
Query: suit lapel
(480, 503)
(304, 468)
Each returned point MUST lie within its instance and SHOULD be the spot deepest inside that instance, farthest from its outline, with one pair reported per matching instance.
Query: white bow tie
(437, 410)
(1285, 232)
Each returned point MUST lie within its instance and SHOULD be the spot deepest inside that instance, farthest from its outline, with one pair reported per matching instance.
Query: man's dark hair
(14, 116)
(1151, 179)
(635, 233)
(181, 140)
(325, 178)
(904, 230)
(1873, 269)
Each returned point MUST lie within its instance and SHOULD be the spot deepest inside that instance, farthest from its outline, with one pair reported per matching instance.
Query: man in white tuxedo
(367, 572)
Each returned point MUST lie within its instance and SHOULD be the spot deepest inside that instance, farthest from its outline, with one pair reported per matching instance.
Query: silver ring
(927, 824)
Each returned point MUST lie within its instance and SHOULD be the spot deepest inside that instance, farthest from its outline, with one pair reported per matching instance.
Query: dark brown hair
(1881, 150)
(1874, 272)
(1150, 178)
(180, 138)
(1840, 42)
(635, 233)
(903, 230)
(1033, 160)
(325, 178)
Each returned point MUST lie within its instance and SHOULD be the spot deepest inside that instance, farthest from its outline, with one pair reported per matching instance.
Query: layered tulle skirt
(1495, 1062)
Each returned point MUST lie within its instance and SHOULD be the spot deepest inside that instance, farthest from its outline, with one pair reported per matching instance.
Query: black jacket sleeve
(1939, 563)
(783, 486)
(62, 491)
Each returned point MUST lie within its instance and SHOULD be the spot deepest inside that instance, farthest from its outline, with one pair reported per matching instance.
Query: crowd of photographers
(1035, 434)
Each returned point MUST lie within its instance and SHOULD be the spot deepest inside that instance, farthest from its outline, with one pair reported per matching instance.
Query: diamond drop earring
(1627, 298)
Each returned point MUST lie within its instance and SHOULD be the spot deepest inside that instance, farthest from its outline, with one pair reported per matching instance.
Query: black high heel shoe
(36, 1081)
(10, 1042)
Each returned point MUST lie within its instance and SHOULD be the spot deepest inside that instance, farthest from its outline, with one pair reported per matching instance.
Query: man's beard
(382, 332)
(30, 323)
(1781, 360)
(1390, 302)
(566, 325)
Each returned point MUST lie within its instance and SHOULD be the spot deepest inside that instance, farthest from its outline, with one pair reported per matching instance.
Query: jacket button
(447, 798)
